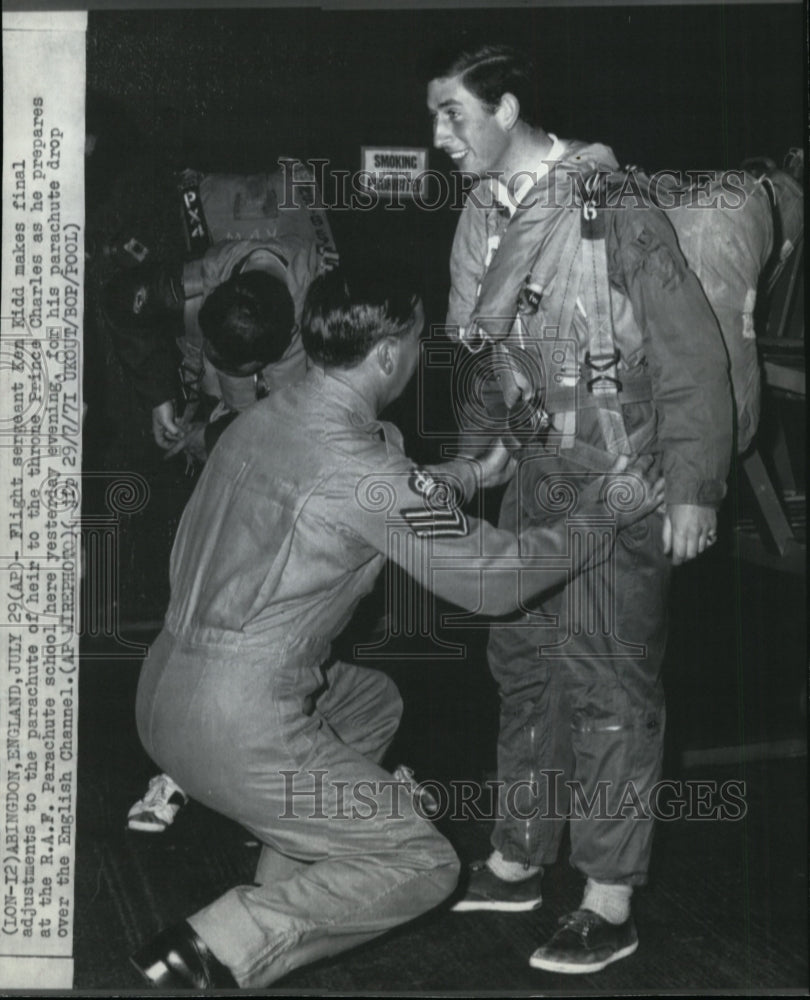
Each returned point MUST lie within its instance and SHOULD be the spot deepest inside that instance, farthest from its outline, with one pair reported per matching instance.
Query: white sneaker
(157, 809)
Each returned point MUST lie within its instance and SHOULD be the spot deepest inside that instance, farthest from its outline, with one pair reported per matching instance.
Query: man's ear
(385, 355)
(508, 110)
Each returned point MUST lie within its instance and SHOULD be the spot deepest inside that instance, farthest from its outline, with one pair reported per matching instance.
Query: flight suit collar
(509, 200)
(359, 412)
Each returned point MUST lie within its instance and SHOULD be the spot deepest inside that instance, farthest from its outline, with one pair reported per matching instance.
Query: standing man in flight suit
(290, 524)
(580, 702)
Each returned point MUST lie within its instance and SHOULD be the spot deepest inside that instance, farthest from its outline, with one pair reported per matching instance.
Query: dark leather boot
(179, 959)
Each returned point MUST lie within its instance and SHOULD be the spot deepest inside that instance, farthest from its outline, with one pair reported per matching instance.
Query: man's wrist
(708, 493)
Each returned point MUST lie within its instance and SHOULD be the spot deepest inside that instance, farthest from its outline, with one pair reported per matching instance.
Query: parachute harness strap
(602, 356)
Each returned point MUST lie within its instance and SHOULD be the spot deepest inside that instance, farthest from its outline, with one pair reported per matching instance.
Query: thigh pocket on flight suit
(621, 751)
(601, 744)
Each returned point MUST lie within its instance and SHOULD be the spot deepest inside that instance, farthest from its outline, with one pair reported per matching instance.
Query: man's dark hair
(247, 320)
(345, 316)
(489, 72)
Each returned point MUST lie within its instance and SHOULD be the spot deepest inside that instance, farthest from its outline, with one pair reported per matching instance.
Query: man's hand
(515, 384)
(164, 429)
(689, 529)
(192, 442)
(329, 259)
(497, 465)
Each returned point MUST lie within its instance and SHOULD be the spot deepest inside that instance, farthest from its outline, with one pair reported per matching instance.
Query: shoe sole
(550, 965)
(141, 972)
(144, 827)
(469, 906)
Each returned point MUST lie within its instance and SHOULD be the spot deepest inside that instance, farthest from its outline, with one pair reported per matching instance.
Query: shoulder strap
(600, 365)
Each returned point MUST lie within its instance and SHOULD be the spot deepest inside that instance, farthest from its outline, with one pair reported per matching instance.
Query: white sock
(510, 871)
(609, 900)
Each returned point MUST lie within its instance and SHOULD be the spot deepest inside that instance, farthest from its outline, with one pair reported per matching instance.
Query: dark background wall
(666, 86)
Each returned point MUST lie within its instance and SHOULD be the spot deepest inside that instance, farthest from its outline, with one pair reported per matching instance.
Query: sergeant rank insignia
(439, 515)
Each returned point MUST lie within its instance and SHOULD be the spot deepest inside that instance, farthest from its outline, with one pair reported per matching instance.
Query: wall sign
(395, 171)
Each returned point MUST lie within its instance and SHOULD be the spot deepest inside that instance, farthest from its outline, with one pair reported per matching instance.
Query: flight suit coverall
(579, 672)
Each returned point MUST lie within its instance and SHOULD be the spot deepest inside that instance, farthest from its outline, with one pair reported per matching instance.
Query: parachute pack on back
(727, 240)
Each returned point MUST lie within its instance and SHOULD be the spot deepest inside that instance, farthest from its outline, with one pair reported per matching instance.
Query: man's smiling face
(465, 128)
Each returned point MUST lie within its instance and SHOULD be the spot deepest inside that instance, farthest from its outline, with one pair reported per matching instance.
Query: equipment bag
(727, 243)
(284, 202)
(738, 247)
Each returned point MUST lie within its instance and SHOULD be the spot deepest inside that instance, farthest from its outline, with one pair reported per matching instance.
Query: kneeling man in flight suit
(291, 521)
